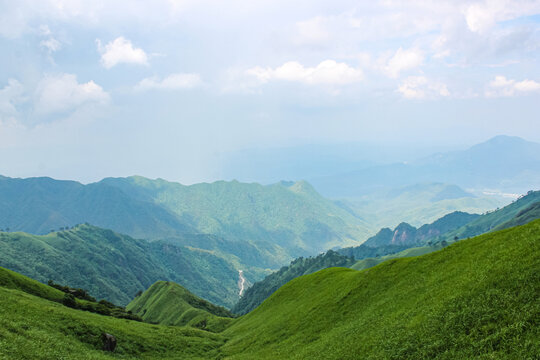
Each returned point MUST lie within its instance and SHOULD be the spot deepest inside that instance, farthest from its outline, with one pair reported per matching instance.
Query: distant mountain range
(252, 224)
(503, 163)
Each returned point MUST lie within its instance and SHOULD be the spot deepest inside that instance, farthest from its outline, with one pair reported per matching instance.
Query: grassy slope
(35, 328)
(477, 298)
(115, 266)
(33, 325)
(12, 280)
(168, 303)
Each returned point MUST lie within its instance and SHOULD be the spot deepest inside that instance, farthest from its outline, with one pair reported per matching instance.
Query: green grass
(35, 325)
(168, 303)
(476, 299)
(35, 328)
(12, 280)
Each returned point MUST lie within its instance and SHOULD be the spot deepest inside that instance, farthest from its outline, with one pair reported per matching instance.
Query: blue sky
(90, 89)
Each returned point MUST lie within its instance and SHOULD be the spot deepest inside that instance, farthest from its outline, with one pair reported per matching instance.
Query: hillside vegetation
(477, 298)
(114, 266)
(168, 303)
(33, 327)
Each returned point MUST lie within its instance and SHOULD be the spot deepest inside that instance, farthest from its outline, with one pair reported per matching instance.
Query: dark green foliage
(261, 290)
(69, 301)
(76, 292)
(113, 266)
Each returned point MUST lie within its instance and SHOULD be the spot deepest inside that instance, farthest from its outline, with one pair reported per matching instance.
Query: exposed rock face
(109, 342)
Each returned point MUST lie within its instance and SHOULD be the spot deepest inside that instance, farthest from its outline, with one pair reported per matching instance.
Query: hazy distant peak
(303, 187)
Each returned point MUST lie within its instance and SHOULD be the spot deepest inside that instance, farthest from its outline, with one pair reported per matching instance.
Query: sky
(90, 89)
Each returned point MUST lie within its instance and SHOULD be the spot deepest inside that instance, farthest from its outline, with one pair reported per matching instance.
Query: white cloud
(62, 93)
(328, 72)
(312, 31)
(403, 60)
(172, 82)
(482, 16)
(51, 44)
(501, 87)
(120, 50)
(420, 87)
(10, 96)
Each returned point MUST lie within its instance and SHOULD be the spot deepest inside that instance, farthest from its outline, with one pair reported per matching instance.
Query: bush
(69, 301)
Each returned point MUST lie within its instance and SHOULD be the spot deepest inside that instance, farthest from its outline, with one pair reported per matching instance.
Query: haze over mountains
(503, 164)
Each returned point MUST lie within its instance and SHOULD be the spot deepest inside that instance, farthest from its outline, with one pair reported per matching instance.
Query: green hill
(114, 266)
(477, 298)
(168, 303)
(261, 290)
(34, 325)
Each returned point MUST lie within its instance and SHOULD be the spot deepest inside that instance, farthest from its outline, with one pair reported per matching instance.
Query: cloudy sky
(159, 88)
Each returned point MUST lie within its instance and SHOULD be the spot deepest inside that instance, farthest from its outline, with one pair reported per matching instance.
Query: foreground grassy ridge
(474, 299)
(35, 328)
(168, 303)
(35, 325)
